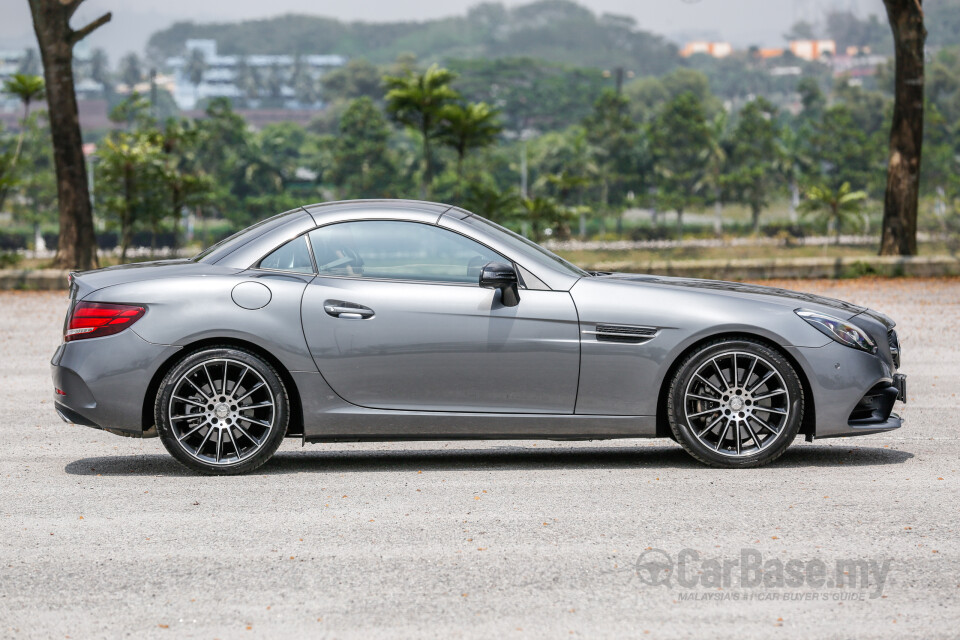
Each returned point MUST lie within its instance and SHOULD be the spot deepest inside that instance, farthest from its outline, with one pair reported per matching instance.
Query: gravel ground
(102, 536)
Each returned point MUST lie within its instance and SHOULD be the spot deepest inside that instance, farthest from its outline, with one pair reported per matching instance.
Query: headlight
(840, 330)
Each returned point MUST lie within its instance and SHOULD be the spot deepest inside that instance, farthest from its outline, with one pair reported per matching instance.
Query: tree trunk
(794, 200)
(717, 214)
(679, 223)
(755, 216)
(77, 247)
(906, 132)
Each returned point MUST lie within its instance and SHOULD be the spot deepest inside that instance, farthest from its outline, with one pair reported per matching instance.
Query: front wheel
(735, 403)
(222, 411)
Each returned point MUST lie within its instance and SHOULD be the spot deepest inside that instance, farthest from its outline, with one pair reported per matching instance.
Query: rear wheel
(222, 411)
(735, 403)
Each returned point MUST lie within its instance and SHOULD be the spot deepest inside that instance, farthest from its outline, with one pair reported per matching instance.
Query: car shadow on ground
(506, 458)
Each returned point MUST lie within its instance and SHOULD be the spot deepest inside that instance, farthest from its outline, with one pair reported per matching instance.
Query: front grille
(894, 343)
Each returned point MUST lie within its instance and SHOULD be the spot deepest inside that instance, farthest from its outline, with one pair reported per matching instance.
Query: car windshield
(517, 241)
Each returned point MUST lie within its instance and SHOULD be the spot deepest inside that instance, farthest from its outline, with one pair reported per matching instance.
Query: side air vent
(623, 333)
(894, 343)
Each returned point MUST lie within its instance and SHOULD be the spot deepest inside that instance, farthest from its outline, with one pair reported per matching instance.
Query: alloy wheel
(737, 404)
(222, 411)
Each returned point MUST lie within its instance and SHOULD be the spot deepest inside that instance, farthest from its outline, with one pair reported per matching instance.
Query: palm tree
(791, 162)
(716, 167)
(417, 100)
(468, 126)
(28, 89)
(545, 213)
(833, 207)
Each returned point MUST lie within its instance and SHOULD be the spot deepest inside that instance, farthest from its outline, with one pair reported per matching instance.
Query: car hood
(87, 282)
(839, 308)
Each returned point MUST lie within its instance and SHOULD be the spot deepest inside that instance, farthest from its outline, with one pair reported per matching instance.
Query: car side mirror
(497, 275)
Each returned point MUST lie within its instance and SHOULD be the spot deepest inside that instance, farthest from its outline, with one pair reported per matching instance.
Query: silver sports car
(404, 320)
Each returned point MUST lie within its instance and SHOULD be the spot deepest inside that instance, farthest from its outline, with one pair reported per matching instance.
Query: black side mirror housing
(497, 275)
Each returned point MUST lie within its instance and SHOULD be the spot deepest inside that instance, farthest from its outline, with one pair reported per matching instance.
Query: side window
(398, 250)
(293, 256)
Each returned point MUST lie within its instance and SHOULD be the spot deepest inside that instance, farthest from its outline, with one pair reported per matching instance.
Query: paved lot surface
(102, 536)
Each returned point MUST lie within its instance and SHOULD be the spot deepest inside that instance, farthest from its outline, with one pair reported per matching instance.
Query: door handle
(347, 310)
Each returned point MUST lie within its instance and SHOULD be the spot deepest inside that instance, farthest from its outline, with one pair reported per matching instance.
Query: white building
(221, 73)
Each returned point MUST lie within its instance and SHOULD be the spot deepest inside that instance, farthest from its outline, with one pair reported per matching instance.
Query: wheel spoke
(239, 380)
(707, 398)
(723, 434)
(765, 425)
(194, 385)
(193, 431)
(736, 378)
(700, 413)
(204, 441)
(770, 410)
(737, 436)
(753, 435)
(708, 383)
(223, 388)
(746, 380)
(219, 443)
(188, 400)
(723, 378)
(246, 435)
(761, 381)
(255, 406)
(187, 417)
(233, 440)
(770, 395)
(213, 388)
(710, 426)
(248, 393)
(255, 421)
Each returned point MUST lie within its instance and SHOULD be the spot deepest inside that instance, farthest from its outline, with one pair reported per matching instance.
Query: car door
(396, 319)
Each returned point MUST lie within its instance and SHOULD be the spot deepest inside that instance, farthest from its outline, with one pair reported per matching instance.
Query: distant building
(715, 49)
(279, 78)
(813, 49)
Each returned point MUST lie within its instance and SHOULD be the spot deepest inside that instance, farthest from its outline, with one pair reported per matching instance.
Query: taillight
(98, 319)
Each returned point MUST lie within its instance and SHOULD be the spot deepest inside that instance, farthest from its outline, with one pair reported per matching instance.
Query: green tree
(545, 215)
(612, 134)
(753, 155)
(28, 89)
(716, 176)
(131, 70)
(196, 66)
(362, 163)
(842, 150)
(417, 100)
(680, 142)
(181, 170)
(129, 166)
(356, 79)
(834, 207)
(465, 127)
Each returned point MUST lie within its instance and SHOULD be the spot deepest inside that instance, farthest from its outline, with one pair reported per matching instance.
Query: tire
(222, 411)
(735, 420)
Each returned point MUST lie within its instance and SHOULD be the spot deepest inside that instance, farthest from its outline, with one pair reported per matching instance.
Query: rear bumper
(103, 381)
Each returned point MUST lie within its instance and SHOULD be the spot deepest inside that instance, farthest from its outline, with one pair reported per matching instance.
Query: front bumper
(853, 391)
(102, 382)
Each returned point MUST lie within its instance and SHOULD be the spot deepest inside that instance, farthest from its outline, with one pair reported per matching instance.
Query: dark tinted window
(293, 256)
(399, 250)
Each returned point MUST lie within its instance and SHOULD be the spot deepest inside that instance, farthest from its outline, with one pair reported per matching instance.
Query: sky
(741, 22)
